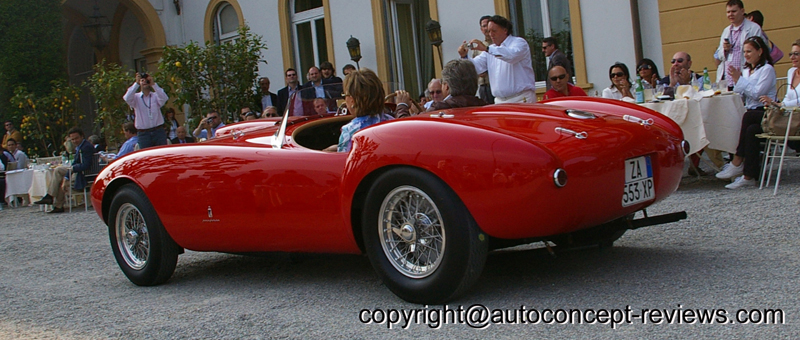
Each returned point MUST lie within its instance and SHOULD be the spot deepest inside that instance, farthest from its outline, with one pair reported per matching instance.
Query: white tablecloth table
(18, 182)
(709, 122)
(39, 182)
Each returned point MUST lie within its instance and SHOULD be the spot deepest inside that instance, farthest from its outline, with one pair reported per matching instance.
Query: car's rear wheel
(420, 238)
(143, 249)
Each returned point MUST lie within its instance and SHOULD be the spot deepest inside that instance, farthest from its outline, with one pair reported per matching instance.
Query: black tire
(451, 252)
(145, 252)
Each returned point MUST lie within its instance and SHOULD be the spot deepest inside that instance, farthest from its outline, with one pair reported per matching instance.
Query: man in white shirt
(16, 154)
(147, 109)
(732, 39)
(508, 61)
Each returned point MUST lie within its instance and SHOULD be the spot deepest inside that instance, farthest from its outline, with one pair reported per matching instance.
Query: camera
(209, 120)
(144, 75)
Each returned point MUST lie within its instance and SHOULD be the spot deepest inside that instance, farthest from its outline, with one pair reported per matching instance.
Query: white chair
(776, 148)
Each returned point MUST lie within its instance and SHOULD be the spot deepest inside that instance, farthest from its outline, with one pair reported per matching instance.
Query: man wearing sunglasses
(560, 86)
(208, 127)
(550, 50)
(292, 85)
(680, 73)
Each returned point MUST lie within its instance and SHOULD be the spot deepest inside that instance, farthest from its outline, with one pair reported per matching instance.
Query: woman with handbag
(792, 81)
(755, 80)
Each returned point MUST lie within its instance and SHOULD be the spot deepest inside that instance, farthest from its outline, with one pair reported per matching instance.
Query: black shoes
(47, 199)
(56, 210)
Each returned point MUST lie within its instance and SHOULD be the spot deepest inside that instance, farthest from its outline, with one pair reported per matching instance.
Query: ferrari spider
(425, 198)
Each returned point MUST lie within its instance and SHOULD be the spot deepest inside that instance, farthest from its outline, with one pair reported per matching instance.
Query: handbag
(776, 120)
(775, 53)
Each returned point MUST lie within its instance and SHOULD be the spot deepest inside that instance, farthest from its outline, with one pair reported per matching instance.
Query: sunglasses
(436, 92)
(680, 60)
(618, 74)
(643, 67)
(545, 47)
(794, 54)
(558, 77)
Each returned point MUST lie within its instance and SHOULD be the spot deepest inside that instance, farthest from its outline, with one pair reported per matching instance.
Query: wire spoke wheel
(132, 236)
(411, 232)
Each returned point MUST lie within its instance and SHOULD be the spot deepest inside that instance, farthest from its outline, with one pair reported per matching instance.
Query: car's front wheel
(143, 249)
(420, 238)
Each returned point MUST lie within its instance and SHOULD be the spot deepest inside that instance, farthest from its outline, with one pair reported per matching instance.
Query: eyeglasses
(558, 77)
(292, 75)
(618, 74)
(680, 60)
(10, 123)
(213, 117)
(545, 47)
(436, 92)
(794, 54)
(643, 67)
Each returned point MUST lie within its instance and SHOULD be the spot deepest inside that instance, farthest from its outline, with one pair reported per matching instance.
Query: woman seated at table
(363, 93)
(648, 70)
(620, 82)
(792, 97)
(756, 80)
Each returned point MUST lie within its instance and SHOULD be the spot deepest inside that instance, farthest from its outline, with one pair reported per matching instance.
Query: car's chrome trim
(580, 114)
(560, 177)
(578, 135)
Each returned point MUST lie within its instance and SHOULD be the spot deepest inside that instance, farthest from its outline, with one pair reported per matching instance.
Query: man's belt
(150, 129)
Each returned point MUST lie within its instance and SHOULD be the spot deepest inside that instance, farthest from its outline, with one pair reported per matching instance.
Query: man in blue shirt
(208, 127)
(131, 139)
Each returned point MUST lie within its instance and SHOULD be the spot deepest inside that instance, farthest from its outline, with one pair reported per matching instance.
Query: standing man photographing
(508, 61)
(146, 106)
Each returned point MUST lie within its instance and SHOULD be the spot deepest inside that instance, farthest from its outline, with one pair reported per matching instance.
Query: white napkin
(685, 91)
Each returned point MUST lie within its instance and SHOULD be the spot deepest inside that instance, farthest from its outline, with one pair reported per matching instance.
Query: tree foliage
(107, 85)
(47, 118)
(214, 76)
(31, 49)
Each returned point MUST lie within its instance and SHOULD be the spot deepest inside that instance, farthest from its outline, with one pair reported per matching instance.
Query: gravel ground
(738, 249)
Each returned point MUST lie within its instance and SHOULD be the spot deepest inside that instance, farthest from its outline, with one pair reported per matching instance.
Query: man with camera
(208, 126)
(146, 105)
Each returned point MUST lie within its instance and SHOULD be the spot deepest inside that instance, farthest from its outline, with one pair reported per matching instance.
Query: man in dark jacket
(292, 86)
(550, 49)
(264, 98)
(82, 163)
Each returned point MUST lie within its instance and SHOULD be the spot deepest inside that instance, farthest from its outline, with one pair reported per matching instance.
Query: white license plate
(639, 185)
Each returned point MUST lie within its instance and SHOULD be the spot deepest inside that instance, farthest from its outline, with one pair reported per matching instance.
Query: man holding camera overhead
(147, 110)
(208, 126)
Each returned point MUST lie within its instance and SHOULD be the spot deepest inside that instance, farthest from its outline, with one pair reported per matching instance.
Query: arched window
(225, 24)
(310, 37)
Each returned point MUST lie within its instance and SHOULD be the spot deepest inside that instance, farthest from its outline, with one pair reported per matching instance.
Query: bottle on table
(639, 94)
(706, 79)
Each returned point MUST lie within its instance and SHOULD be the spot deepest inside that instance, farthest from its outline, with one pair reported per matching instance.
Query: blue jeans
(150, 138)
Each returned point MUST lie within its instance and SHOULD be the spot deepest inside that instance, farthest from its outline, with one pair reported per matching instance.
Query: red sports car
(425, 198)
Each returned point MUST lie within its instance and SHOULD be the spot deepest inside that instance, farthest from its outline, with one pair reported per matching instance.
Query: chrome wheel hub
(411, 232)
(133, 240)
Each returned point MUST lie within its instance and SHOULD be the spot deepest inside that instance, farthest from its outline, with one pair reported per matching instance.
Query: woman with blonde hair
(364, 96)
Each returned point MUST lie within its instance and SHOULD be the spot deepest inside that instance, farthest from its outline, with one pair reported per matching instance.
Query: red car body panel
(235, 193)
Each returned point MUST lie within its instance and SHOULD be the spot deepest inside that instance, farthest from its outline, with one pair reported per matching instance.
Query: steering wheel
(394, 94)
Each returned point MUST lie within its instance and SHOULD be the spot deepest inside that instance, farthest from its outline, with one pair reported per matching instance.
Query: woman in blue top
(757, 79)
(364, 95)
